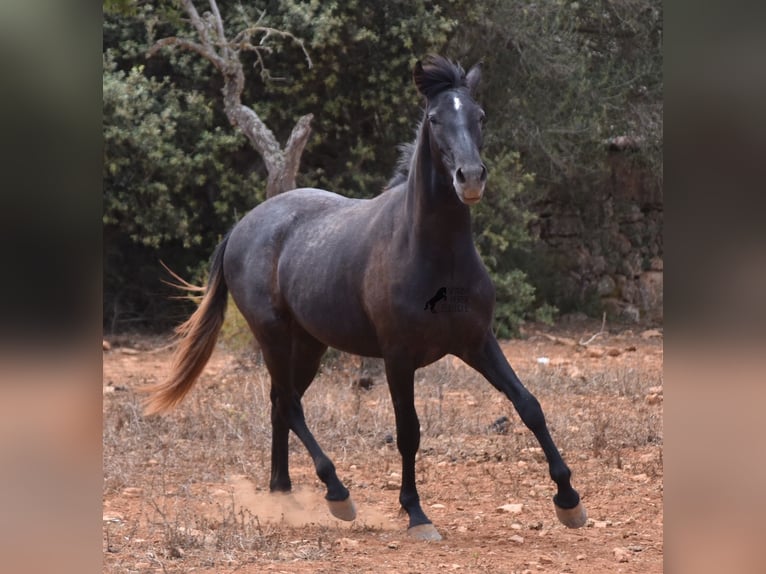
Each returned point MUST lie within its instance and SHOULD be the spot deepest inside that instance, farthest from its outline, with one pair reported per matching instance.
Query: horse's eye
(432, 119)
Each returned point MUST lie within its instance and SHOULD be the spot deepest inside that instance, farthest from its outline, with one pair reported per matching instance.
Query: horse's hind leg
(292, 364)
(490, 362)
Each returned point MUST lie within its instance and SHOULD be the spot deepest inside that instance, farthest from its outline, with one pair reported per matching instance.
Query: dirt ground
(188, 492)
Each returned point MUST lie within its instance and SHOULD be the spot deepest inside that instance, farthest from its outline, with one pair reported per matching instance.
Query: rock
(580, 557)
(511, 508)
(105, 345)
(651, 334)
(653, 399)
(631, 313)
(650, 292)
(606, 286)
(501, 425)
(112, 516)
(621, 554)
(545, 559)
(517, 539)
(393, 545)
(601, 523)
(346, 543)
(437, 505)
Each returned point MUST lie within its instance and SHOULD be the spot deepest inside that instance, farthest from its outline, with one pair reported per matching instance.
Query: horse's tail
(197, 339)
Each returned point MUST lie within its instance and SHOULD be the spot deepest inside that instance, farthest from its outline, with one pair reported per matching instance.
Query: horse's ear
(417, 76)
(472, 77)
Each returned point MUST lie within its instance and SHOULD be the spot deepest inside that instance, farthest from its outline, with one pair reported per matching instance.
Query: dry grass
(223, 429)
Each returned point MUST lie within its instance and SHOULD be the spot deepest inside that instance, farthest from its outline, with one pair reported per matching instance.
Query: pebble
(580, 557)
(346, 543)
(437, 505)
(545, 559)
(393, 545)
(621, 554)
(512, 508)
(517, 539)
(653, 399)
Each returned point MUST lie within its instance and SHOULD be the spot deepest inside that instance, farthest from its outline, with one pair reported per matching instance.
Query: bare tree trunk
(281, 163)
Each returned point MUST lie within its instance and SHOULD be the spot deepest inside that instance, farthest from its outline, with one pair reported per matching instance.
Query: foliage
(560, 78)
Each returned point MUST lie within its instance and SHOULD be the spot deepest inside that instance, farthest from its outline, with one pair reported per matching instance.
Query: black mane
(437, 74)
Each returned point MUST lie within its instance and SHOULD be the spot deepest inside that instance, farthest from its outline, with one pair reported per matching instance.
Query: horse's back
(303, 254)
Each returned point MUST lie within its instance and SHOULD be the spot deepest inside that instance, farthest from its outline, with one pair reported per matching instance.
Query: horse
(310, 269)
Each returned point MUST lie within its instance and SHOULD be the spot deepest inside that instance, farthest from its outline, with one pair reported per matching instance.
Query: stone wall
(603, 243)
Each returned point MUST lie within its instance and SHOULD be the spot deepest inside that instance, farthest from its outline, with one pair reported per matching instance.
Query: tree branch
(219, 27)
(281, 165)
(205, 51)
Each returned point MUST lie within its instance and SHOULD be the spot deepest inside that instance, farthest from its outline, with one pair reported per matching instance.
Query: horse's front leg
(401, 379)
(489, 360)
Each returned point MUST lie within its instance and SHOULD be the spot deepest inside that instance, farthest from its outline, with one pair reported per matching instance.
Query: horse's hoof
(424, 532)
(572, 517)
(343, 509)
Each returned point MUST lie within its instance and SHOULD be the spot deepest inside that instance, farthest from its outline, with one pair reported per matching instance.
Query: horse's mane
(437, 74)
(402, 169)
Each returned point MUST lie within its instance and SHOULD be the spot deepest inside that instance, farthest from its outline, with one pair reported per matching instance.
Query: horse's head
(454, 121)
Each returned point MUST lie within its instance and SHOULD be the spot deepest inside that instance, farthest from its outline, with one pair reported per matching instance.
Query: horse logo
(440, 294)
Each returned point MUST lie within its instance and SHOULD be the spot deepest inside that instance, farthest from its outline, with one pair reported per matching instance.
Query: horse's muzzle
(469, 183)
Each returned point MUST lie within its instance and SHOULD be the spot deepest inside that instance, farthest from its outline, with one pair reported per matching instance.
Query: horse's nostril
(459, 176)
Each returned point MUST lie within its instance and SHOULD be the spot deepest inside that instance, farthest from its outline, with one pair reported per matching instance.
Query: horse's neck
(435, 217)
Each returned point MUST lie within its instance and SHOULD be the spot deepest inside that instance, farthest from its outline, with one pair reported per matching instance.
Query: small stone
(580, 557)
(600, 523)
(516, 526)
(391, 485)
(545, 559)
(640, 477)
(462, 528)
(636, 548)
(346, 543)
(437, 505)
(393, 545)
(111, 516)
(651, 334)
(511, 508)
(621, 554)
(613, 352)
(653, 399)
(517, 539)
(105, 345)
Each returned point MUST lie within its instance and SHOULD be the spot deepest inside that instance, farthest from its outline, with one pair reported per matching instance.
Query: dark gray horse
(310, 269)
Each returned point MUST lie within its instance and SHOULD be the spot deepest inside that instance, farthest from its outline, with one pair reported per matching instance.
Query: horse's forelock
(437, 74)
